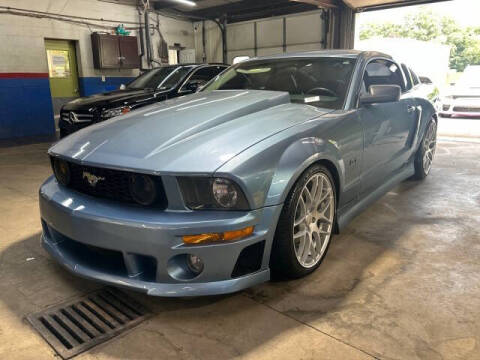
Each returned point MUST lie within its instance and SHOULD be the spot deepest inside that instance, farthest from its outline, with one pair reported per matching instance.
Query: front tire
(305, 225)
(426, 151)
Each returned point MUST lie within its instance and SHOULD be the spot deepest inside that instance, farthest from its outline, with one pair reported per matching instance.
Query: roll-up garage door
(293, 33)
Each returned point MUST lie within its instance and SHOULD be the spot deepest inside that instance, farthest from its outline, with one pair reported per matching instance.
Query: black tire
(283, 259)
(420, 171)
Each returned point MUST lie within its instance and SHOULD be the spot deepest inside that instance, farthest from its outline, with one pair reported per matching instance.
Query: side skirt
(344, 216)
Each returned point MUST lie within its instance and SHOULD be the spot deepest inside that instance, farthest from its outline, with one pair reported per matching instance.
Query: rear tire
(426, 151)
(306, 224)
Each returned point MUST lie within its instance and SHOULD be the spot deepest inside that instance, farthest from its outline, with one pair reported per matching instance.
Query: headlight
(204, 193)
(109, 113)
(224, 192)
(143, 189)
(61, 170)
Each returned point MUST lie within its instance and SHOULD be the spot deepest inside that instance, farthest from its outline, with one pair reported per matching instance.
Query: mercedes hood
(108, 100)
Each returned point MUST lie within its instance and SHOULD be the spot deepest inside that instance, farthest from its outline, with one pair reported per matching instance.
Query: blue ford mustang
(211, 192)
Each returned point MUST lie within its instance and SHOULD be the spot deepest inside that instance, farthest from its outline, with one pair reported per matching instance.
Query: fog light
(195, 264)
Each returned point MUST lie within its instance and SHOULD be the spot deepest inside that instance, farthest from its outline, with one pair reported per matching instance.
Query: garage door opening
(441, 44)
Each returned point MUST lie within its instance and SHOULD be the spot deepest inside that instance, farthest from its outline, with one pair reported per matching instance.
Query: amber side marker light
(215, 237)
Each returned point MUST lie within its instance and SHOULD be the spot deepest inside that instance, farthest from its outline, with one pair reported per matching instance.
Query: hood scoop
(225, 109)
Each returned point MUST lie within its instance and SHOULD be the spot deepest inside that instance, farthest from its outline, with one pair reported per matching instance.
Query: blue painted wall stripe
(25, 107)
(26, 103)
(95, 85)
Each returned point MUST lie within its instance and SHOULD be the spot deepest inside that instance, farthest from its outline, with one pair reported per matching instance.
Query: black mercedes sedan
(152, 86)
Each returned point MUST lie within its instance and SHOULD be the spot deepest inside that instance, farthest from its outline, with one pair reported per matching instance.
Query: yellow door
(62, 70)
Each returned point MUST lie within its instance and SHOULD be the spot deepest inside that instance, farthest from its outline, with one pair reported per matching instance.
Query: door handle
(411, 108)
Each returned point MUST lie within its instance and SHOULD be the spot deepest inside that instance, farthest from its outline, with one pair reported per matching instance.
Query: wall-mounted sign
(58, 64)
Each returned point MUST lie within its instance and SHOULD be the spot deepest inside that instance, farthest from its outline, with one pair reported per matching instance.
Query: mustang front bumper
(142, 248)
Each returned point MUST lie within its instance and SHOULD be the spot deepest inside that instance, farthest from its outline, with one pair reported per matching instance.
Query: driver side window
(382, 72)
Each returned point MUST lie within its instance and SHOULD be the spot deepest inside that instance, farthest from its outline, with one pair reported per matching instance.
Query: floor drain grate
(78, 325)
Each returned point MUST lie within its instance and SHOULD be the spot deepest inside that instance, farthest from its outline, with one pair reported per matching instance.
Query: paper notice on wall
(58, 63)
(187, 56)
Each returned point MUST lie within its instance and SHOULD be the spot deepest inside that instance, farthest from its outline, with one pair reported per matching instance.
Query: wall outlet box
(103, 78)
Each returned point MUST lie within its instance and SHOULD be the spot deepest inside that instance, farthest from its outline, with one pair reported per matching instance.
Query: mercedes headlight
(109, 113)
(206, 193)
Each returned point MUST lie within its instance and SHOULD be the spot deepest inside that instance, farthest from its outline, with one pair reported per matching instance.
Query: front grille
(113, 184)
(467, 108)
(75, 117)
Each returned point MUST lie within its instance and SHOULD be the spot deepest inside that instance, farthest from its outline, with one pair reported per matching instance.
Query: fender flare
(298, 157)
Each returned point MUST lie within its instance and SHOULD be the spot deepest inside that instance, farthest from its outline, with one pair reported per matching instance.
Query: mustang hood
(193, 134)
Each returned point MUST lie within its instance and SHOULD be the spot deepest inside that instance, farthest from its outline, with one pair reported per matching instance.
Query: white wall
(303, 32)
(213, 42)
(22, 38)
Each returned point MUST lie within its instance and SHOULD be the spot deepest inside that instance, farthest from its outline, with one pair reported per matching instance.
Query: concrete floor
(458, 127)
(402, 282)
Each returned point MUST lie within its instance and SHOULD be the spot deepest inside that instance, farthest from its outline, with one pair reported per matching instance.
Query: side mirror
(381, 94)
(192, 86)
(425, 80)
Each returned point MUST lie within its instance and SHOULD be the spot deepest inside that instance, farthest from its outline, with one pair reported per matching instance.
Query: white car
(463, 99)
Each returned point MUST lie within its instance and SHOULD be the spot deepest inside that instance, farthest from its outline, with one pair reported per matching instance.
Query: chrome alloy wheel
(314, 215)
(429, 146)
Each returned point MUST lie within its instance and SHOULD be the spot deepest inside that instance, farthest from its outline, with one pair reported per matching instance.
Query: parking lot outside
(459, 127)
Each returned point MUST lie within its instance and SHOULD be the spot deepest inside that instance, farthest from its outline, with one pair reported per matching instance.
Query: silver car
(463, 99)
(209, 193)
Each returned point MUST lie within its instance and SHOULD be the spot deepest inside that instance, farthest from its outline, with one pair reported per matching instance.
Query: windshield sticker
(253, 71)
(311, 99)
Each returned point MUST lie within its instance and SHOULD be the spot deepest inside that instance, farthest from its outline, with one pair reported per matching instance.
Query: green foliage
(423, 26)
(426, 26)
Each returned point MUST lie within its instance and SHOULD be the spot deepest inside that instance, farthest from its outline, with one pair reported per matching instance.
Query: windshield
(162, 78)
(321, 81)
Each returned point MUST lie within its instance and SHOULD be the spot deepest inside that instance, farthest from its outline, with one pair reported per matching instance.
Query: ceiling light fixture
(186, 2)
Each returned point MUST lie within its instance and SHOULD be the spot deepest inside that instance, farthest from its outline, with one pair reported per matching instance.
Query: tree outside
(425, 25)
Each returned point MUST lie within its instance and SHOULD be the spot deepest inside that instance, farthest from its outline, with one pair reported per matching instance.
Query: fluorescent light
(186, 2)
